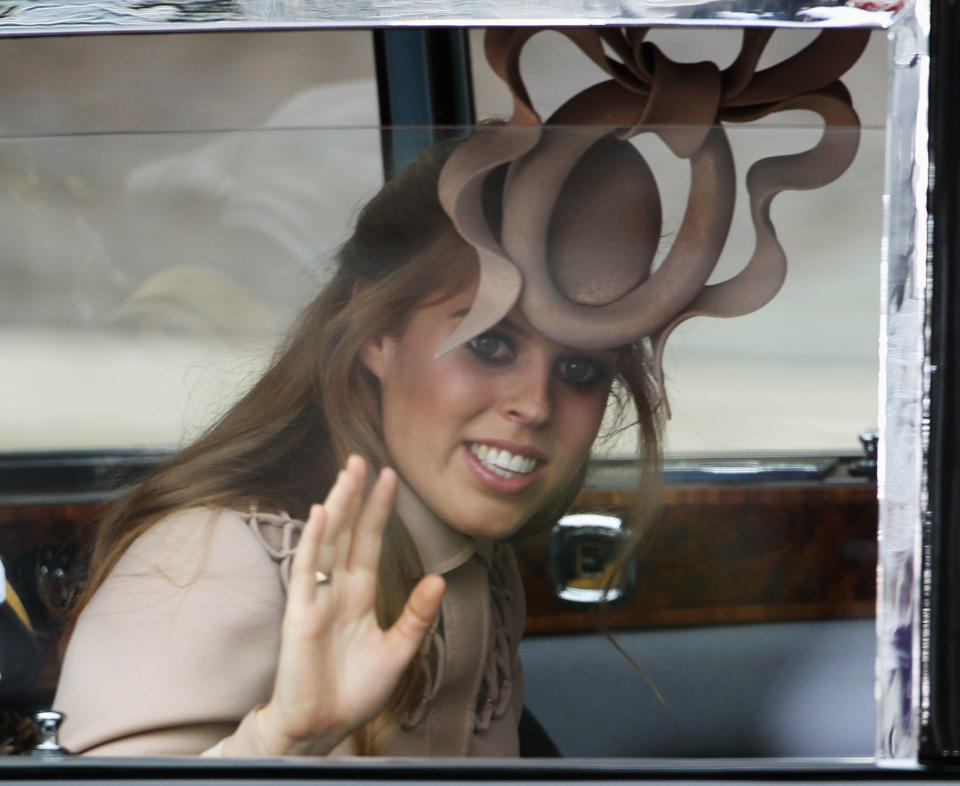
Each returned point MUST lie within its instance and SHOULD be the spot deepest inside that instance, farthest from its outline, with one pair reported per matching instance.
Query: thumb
(418, 615)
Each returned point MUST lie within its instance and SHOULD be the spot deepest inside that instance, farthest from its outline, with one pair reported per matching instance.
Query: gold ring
(321, 577)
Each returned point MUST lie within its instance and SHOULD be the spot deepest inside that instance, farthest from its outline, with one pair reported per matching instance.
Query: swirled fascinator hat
(581, 215)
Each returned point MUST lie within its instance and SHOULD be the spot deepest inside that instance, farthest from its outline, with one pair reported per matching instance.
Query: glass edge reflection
(904, 375)
(43, 17)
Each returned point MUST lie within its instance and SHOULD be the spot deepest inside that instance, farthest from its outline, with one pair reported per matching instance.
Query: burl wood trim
(730, 554)
(715, 555)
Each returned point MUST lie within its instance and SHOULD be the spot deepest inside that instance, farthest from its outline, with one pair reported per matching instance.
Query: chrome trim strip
(904, 381)
(54, 17)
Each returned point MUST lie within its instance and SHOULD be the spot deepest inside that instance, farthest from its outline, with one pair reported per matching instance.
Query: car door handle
(582, 552)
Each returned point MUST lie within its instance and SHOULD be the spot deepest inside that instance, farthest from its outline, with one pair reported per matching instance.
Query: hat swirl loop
(581, 214)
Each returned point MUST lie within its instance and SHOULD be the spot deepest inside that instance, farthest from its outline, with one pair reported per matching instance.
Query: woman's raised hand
(337, 668)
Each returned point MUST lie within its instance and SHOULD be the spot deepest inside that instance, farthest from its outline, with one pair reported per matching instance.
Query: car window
(164, 195)
(158, 237)
(198, 194)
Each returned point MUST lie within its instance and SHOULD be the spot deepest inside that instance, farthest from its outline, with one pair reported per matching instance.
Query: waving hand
(337, 668)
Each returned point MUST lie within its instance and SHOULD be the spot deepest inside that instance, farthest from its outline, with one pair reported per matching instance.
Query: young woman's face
(493, 430)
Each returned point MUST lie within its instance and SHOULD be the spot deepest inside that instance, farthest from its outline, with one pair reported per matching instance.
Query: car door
(748, 626)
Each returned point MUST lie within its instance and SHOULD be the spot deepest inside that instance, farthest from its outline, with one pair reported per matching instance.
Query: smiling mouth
(503, 462)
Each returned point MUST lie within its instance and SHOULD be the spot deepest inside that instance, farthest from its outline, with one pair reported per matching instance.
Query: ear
(378, 353)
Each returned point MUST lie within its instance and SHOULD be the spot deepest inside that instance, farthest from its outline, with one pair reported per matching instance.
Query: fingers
(368, 535)
(342, 507)
(418, 615)
(302, 569)
(351, 536)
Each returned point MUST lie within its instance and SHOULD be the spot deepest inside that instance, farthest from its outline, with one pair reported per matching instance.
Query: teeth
(503, 462)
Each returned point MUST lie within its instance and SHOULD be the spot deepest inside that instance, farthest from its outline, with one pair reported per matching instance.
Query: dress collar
(440, 547)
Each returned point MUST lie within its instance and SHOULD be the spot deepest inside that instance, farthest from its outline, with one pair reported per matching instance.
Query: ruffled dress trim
(494, 698)
(496, 687)
(278, 534)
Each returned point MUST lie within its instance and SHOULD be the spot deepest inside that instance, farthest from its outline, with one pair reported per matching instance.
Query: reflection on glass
(150, 276)
(178, 259)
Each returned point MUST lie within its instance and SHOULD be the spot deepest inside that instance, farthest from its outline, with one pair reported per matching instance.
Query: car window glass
(156, 246)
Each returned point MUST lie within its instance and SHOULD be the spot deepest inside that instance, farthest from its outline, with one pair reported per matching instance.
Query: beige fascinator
(581, 215)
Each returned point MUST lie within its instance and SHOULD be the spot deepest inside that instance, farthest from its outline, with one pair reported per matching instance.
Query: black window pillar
(424, 87)
(940, 720)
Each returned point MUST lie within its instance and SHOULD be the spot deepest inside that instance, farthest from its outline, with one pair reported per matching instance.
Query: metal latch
(582, 552)
(48, 727)
(867, 466)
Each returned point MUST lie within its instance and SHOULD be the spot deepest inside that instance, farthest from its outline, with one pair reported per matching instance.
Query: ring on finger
(322, 577)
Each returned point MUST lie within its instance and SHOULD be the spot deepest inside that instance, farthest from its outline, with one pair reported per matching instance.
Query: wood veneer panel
(730, 554)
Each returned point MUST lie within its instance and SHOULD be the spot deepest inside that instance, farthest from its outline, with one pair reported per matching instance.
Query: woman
(463, 355)
(489, 439)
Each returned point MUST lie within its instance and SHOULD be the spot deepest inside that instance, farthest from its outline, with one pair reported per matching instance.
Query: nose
(527, 396)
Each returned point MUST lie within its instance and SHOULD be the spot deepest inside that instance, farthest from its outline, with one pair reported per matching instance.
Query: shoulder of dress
(187, 529)
(215, 537)
(275, 531)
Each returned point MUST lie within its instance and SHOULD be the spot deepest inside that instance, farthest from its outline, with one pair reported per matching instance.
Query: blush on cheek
(462, 384)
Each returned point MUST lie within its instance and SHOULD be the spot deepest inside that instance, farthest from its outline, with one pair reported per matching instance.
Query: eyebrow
(506, 321)
(518, 329)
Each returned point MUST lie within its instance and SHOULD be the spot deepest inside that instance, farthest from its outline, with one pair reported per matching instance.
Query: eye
(580, 371)
(491, 346)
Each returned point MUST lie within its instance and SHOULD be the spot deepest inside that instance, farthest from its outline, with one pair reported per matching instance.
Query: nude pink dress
(179, 646)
